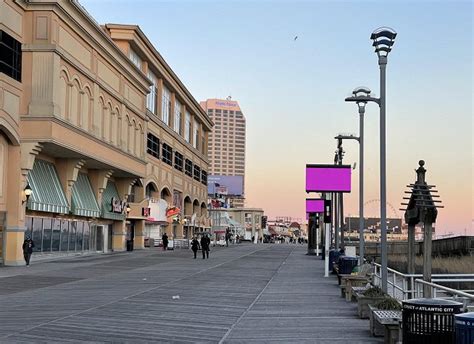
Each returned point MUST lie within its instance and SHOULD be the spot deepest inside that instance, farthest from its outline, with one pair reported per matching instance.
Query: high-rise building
(226, 145)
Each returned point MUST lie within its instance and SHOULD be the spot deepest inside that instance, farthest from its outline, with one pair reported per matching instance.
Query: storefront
(113, 210)
(56, 227)
(155, 220)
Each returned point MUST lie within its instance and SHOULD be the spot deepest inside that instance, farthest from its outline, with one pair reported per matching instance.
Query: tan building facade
(227, 140)
(77, 130)
(249, 218)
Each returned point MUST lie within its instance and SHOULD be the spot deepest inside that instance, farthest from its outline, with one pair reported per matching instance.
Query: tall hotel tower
(226, 140)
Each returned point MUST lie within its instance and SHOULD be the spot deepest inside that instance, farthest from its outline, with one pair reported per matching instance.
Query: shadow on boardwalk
(242, 294)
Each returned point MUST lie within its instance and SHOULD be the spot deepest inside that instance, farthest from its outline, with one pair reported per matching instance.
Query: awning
(47, 194)
(83, 200)
(108, 197)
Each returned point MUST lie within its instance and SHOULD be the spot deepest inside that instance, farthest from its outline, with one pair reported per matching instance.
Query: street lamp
(361, 95)
(28, 192)
(383, 39)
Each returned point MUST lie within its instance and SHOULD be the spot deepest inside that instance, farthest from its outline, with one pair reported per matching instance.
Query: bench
(347, 281)
(390, 320)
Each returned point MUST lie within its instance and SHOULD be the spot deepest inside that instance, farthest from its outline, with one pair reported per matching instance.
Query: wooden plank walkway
(242, 294)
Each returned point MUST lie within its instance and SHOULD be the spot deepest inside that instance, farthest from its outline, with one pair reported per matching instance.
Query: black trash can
(429, 321)
(346, 264)
(464, 328)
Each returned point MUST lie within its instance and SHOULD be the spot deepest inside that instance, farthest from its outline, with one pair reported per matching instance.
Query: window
(188, 168)
(151, 97)
(197, 173)
(166, 106)
(195, 134)
(153, 145)
(177, 117)
(137, 61)
(10, 56)
(178, 161)
(204, 177)
(167, 154)
(187, 127)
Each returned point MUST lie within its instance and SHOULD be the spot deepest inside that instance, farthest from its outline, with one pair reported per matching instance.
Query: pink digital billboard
(314, 205)
(328, 178)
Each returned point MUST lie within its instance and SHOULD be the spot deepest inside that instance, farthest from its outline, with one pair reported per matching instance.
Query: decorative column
(20, 162)
(421, 208)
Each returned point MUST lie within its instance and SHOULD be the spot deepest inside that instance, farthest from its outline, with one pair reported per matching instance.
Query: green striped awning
(47, 194)
(109, 193)
(83, 202)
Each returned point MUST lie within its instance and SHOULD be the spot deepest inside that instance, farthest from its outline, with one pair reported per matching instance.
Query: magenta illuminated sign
(314, 205)
(328, 178)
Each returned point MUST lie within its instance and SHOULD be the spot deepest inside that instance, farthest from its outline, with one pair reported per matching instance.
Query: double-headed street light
(361, 96)
(383, 39)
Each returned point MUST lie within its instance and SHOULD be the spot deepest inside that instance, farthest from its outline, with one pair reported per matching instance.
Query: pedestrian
(164, 238)
(28, 245)
(194, 246)
(227, 238)
(205, 242)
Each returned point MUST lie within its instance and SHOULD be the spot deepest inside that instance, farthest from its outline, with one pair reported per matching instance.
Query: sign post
(314, 207)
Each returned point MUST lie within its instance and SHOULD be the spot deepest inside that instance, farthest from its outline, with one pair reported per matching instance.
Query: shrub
(374, 292)
(389, 304)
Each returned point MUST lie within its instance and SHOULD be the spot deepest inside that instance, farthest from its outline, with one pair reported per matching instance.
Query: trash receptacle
(346, 264)
(429, 321)
(464, 328)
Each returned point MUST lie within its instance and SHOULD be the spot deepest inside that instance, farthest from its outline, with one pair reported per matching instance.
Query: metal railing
(406, 286)
(173, 243)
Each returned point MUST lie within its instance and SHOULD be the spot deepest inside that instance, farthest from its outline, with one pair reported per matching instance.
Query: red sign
(146, 212)
(172, 211)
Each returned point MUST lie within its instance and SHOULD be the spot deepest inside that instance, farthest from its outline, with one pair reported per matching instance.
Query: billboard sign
(229, 185)
(328, 178)
(314, 205)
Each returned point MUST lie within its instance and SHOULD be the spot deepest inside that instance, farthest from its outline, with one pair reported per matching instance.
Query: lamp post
(383, 39)
(361, 95)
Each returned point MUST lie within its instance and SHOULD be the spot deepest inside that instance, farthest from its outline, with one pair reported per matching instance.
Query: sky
(292, 91)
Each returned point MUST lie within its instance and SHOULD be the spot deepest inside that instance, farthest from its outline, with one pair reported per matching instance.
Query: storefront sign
(157, 211)
(146, 212)
(172, 211)
(118, 206)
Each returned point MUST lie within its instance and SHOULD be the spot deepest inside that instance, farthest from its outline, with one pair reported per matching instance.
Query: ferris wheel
(372, 208)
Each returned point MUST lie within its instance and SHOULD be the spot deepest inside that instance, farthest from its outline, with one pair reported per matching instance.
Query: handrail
(447, 289)
(409, 288)
(421, 275)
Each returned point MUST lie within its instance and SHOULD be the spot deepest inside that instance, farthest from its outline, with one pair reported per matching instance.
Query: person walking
(205, 242)
(227, 238)
(28, 245)
(164, 238)
(194, 246)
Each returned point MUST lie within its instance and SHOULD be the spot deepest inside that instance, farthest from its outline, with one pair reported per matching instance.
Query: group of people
(204, 246)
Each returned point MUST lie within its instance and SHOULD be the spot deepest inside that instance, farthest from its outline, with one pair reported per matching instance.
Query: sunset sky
(292, 91)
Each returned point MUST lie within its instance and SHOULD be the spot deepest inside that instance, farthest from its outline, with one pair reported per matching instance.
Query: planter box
(363, 303)
(376, 329)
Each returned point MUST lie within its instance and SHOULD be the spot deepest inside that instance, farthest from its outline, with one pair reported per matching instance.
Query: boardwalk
(242, 294)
